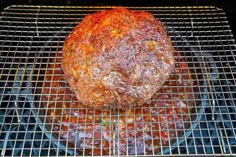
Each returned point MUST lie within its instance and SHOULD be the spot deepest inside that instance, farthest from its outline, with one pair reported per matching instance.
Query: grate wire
(31, 36)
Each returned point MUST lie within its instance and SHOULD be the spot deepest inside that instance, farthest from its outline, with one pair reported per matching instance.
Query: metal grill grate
(30, 40)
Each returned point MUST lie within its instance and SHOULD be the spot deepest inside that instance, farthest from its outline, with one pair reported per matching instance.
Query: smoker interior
(32, 35)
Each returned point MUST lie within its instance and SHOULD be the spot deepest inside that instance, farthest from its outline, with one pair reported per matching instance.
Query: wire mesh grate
(32, 124)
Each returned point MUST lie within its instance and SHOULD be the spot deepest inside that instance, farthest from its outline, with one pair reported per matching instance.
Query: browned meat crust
(117, 58)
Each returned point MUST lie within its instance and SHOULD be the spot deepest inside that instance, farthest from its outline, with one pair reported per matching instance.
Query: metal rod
(5, 143)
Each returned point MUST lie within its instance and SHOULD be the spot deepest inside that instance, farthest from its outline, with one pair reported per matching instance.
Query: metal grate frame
(30, 37)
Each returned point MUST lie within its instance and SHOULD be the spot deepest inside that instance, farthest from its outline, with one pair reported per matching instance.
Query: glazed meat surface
(117, 58)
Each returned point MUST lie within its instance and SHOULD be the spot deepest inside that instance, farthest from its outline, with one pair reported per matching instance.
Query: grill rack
(24, 33)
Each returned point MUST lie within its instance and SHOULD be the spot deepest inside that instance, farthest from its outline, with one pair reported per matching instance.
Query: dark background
(227, 5)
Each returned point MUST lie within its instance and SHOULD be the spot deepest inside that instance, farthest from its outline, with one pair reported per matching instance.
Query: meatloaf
(117, 58)
(140, 130)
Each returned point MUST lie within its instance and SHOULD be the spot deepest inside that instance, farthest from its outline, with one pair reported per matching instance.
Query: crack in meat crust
(117, 58)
